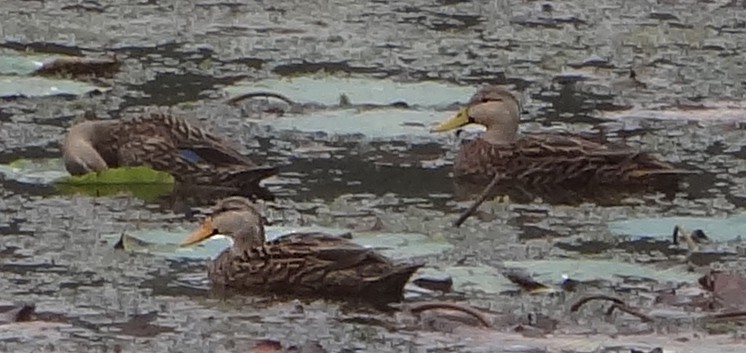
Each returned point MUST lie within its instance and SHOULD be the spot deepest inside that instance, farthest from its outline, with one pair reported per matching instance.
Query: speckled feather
(540, 160)
(156, 140)
(311, 263)
(556, 159)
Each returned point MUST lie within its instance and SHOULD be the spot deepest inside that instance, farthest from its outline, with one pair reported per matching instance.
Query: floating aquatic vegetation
(548, 271)
(126, 175)
(13, 63)
(716, 112)
(16, 71)
(489, 280)
(717, 229)
(34, 171)
(376, 124)
(328, 90)
(142, 182)
(472, 279)
(166, 243)
(466, 279)
(24, 86)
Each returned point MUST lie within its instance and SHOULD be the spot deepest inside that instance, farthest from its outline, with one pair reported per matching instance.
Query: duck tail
(393, 282)
(644, 166)
(660, 172)
(249, 176)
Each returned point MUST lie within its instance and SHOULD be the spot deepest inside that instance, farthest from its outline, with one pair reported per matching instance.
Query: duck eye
(491, 99)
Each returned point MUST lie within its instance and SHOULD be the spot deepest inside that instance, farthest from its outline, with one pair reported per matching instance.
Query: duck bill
(460, 119)
(205, 231)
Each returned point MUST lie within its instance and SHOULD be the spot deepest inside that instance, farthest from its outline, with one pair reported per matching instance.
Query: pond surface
(369, 79)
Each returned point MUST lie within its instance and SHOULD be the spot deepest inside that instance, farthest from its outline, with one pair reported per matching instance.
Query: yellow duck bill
(460, 119)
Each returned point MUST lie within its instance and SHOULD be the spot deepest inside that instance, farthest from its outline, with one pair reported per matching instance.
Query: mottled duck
(314, 264)
(540, 159)
(163, 142)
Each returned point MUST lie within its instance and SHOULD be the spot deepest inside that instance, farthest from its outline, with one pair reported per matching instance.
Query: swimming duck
(314, 264)
(163, 142)
(540, 159)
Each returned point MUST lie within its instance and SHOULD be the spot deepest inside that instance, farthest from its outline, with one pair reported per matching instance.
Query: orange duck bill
(205, 231)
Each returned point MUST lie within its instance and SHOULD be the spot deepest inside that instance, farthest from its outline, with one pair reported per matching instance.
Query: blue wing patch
(190, 156)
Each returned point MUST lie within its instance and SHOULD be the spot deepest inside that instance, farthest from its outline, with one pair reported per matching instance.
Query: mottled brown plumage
(540, 159)
(313, 264)
(163, 142)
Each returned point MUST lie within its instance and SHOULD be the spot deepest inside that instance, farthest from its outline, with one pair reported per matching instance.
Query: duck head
(79, 147)
(235, 217)
(493, 107)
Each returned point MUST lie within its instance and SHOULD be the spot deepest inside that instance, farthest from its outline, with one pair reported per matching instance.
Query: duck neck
(80, 147)
(501, 135)
(247, 239)
(94, 132)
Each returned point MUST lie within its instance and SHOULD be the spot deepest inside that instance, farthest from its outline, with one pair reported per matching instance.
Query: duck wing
(186, 136)
(161, 154)
(313, 263)
(555, 159)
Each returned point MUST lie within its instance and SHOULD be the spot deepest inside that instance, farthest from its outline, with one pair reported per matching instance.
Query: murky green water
(371, 164)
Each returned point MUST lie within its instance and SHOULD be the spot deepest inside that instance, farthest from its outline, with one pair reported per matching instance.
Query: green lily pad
(126, 175)
(328, 90)
(400, 246)
(26, 86)
(52, 171)
(717, 229)
(145, 192)
(141, 182)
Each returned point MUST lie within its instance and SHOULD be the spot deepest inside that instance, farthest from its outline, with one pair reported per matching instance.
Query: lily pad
(25, 86)
(145, 192)
(469, 279)
(128, 175)
(717, 229)
(375, 124)
(489, 280)
(15, 79)
(552, 271)
(327, 90)
(400, 246)
(34, 171)
(52, 171)
(713, 112)
(472, 279)
(13, 64)
(141, 182)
